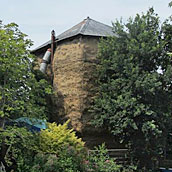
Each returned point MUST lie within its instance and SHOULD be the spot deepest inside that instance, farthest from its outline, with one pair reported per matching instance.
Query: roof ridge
(83, 28)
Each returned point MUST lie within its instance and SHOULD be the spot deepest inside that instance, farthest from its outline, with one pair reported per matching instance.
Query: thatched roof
(87, 27)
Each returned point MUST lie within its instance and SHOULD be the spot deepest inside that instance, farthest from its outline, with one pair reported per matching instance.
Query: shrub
(55, 149)
(59, 150)
(57, 138)
(99, 161)
(16, 149)
(64, 162)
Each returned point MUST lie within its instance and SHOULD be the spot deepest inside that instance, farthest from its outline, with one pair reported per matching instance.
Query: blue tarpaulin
(32, 124)
(38, 123)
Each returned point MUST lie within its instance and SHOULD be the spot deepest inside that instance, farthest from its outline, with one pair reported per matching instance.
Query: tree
(21, 92)
(134, 81)
(170, 4)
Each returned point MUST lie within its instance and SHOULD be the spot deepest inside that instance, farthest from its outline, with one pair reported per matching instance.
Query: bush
(57, 138)
(99, 161)
(16, 149)
(63, 162)
(55, 149)
(59, 150)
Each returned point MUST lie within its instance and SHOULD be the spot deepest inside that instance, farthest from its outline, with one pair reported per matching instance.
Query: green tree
(21, 92)
(170, 4)
(134, 98)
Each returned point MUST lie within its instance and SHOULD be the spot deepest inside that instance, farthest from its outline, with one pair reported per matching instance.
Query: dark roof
(87, 27)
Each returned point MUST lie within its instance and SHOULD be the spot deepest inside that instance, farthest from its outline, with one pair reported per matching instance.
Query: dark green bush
(63, 162)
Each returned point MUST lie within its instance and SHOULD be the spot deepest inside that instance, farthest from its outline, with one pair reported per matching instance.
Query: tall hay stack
(74, 65)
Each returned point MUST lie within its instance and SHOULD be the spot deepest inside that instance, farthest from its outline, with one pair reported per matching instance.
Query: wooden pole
(52, 53)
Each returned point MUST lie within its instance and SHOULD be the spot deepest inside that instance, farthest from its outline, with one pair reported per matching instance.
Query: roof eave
(59, 40)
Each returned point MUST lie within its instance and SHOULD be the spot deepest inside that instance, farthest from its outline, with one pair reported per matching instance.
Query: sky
(37, 18)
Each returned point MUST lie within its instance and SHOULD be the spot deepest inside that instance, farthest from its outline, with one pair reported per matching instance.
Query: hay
(73, 67)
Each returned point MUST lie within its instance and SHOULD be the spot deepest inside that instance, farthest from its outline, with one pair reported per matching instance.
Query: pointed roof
(87, 27)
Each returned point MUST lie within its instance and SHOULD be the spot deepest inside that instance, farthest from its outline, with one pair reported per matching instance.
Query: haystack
(74, 65)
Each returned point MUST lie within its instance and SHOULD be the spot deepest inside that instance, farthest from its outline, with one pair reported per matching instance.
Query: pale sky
(37, 18)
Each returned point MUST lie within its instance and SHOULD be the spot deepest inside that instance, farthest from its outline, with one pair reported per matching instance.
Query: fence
(118, 154)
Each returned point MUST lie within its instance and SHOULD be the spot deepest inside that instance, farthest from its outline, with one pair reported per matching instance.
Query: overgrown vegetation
(44, 152)
(21, 94)
(135, 86)
(58, 149)
(134, 101)
(99, 161)
(57, 138)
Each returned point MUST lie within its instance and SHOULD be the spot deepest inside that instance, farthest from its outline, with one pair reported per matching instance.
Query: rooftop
(87, 27)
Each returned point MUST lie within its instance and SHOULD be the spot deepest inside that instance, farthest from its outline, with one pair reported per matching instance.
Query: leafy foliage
(20, 93)
(17, 147)
(58, 137)
(54, 149)
(99, 161)
(135, 89)
(59, 150)
(63, 162)
(96, 161)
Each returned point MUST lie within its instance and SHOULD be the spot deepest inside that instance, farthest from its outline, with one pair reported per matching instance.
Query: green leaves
(134, 100)
(21, 94)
